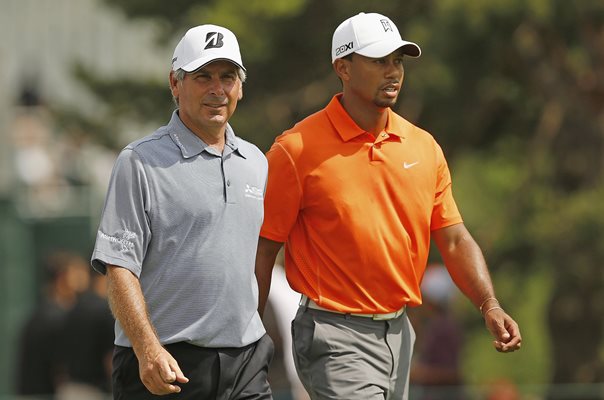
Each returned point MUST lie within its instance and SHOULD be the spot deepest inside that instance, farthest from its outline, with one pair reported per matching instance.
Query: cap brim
(201, 62)
(383, 48)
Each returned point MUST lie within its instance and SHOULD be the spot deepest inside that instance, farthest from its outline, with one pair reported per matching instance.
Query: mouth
(215, 105)
(391, 89)
(215, 102)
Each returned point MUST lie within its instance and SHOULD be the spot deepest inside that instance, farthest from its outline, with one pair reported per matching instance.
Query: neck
(370, 118)
(213, 138)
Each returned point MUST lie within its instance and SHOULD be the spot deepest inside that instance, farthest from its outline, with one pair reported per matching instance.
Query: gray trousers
(346, 357)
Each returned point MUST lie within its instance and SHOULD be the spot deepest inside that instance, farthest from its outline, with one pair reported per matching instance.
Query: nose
(216, 87)
(393, 69)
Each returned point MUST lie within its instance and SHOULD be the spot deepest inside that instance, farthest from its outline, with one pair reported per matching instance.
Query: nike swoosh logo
(407, 165)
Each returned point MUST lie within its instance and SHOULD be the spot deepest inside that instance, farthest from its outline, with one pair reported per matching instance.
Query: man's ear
(342, 68)
(173, 84)
(240, 90)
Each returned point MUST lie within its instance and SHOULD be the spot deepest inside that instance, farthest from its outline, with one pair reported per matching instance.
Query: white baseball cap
(371, 35)
(204, 44)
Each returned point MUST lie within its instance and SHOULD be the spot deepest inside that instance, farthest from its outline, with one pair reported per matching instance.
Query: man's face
(375, 80)
(208, 97)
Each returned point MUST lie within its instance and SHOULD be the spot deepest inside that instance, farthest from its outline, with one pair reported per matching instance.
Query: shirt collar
(191, 145)
(348, 129)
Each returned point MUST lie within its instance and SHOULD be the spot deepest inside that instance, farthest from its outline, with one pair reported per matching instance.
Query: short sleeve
(444, 212)
(124, 231)
(283, 195)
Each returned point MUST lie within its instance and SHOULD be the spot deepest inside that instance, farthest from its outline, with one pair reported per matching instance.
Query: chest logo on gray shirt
(253, 192)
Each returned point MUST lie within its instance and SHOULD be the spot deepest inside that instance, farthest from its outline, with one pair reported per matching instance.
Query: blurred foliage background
(513, 90)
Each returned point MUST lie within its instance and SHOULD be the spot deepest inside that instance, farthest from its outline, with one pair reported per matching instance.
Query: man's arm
(465, 262)
(265, 260)
(157, 368)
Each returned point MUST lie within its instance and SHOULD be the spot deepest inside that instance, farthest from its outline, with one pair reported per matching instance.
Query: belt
(305, 301)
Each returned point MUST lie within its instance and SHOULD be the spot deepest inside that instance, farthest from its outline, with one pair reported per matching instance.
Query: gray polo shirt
(185, 219)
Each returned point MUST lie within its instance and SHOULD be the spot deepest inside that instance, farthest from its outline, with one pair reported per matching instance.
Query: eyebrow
(208, 72)
(200, 72)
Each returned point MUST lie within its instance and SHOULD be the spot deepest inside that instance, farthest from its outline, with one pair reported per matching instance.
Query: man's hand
(160, 372)
(504, 329)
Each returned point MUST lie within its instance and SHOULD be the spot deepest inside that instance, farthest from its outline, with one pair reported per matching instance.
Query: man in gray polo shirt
(178, 238)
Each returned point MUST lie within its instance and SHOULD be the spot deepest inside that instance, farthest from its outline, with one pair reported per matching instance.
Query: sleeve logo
(124, 240)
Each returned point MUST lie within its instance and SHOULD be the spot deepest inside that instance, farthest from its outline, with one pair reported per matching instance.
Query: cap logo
(214, 40)
(344, 48)
(386, 25)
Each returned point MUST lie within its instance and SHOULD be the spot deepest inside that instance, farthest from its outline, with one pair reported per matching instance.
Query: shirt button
(384, 135)
(228, 183)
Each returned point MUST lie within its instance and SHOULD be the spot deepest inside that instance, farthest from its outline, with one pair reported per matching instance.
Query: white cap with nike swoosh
(371, 35)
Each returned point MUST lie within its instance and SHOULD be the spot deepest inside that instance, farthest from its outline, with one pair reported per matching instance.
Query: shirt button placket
(228, 183)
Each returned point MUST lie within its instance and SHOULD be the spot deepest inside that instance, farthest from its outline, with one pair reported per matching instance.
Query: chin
(218, 119)
(385, 103)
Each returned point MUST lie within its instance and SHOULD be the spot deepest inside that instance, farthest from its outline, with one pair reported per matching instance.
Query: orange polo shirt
(355, 211)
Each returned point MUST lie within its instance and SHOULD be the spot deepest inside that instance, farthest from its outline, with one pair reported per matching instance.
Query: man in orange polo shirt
(356, 192)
